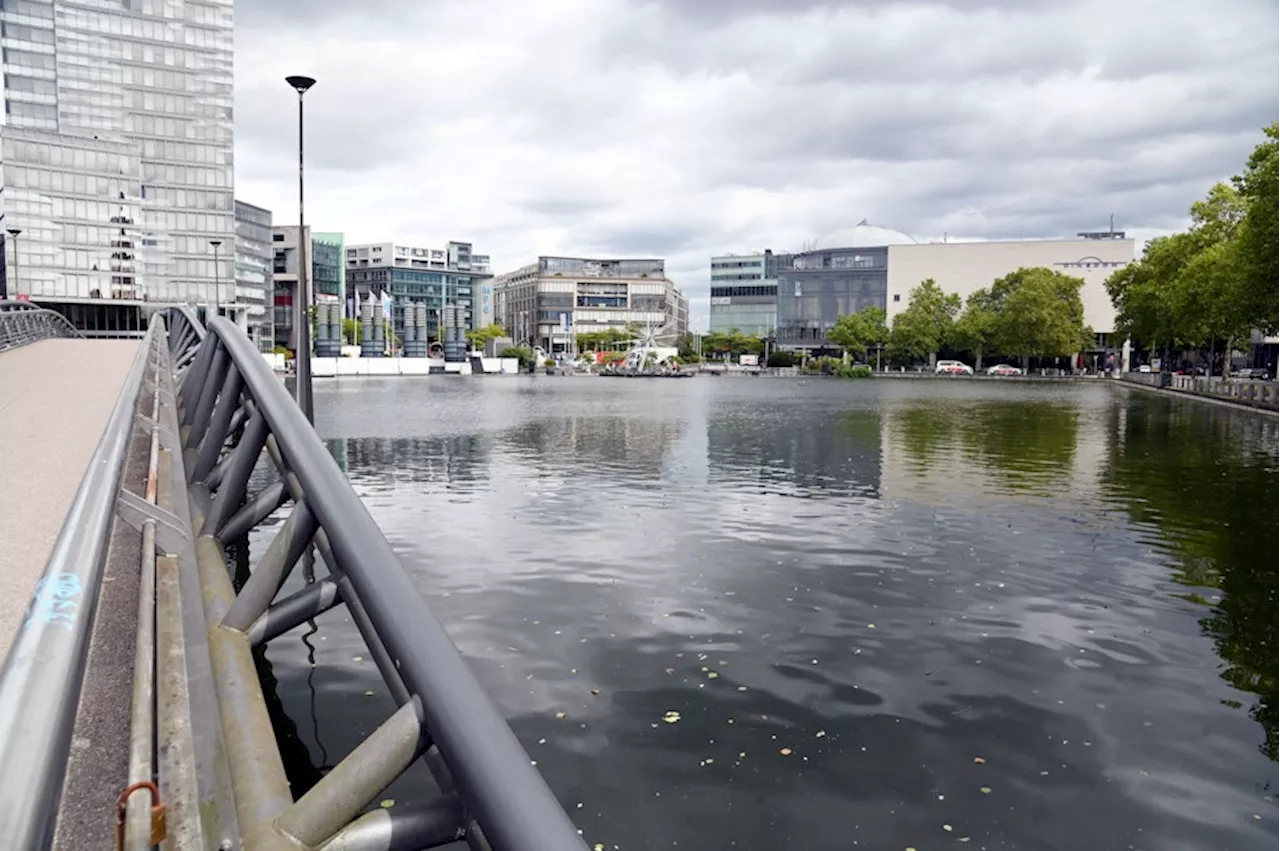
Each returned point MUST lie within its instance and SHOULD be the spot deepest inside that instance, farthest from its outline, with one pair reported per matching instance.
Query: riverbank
(1261, 396)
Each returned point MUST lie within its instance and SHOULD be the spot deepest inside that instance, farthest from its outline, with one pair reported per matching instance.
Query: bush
(826, 366)
(854, 371)
(520, 353)
(549, 363)
(780, 359)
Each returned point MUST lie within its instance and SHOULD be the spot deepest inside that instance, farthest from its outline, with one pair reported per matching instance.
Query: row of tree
(1214, 284)
(1033, 312)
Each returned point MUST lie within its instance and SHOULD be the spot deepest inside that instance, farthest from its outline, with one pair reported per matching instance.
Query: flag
(386, 304)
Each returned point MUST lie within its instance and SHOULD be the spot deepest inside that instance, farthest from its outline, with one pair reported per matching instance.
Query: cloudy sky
(686, 128)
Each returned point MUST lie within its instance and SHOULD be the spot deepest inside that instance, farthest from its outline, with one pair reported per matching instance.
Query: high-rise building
(117, 156)
(254, 288)
(744, 293)
(547, 303)
(435, 277)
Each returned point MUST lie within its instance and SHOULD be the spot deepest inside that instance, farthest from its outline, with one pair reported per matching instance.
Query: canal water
(821, 614)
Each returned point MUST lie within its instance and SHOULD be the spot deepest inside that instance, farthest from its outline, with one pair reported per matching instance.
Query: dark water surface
(979, 615)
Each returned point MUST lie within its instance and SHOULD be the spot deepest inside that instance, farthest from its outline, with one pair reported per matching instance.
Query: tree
(856, 332)
(924, 328)
(480, 336)
(1040, 314)
(351, 332)
(732, 342)
(521, 353)
(1257, 283)
(977, 328)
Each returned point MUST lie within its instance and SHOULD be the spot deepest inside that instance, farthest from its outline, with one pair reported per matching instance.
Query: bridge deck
(55, 398)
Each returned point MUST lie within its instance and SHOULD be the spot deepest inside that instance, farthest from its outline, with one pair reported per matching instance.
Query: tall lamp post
(302, 298)
(13, 232)
(217, 283)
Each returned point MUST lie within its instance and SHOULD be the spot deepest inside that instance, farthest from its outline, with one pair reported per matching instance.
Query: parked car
(1145, 369)
(1004, 369)
(952, 367)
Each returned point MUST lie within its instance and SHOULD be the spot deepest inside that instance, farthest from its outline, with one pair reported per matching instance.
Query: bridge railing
(233, 408)
(22, 322)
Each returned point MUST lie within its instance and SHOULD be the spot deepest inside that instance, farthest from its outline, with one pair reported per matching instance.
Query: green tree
(978, 327)
(1256, 286)
(857, 332)
(351, 332)
(925, 327)
(521, 353)
(731, 342)
(480, 336)
(1040, 314)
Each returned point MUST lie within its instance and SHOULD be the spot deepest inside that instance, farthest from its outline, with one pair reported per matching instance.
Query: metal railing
(41, 679)
(233, 408)
(22, 322)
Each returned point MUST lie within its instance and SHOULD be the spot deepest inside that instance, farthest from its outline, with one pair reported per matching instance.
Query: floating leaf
(387, 803)
(357, 658)
(671, 717)
(947, 828)
(595, 691)
(599, 846)
(979, 760)
(821, 734)
(785, 751)
(370, 693)
(560, 715)
(712, 675)
(986, 790)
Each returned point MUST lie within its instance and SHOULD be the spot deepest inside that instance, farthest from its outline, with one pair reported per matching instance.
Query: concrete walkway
(55, 398)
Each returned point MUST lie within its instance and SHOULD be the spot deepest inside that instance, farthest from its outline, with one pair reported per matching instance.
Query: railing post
(209, 394)
(239, 468)
(215, 434)
(265, 581)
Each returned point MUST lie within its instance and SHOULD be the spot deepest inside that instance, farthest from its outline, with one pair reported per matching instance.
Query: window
(277, 237)
(897, 297)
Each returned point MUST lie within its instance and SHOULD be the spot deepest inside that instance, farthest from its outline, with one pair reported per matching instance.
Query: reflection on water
(888, 614)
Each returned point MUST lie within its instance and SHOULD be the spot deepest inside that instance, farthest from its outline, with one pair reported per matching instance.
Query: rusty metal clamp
(157, 813)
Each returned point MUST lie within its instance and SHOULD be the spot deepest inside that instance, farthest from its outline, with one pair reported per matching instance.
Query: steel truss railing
(22, 322)
(233, 408)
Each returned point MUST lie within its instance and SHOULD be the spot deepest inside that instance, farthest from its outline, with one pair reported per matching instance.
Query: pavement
(55, 398)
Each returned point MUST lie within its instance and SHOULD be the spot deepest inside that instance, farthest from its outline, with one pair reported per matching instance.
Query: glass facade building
(117, 155)
(744, 294)
(253, 270)
(815, 288)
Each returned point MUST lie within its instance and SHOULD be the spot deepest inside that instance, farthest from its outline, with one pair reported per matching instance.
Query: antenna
(1113, 223)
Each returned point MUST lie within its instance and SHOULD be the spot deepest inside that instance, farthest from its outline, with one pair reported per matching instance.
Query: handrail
(499, 790)
(22, 322)
(43, 672)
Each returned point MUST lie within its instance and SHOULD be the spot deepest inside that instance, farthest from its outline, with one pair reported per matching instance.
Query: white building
(547, 303)
(965, 267)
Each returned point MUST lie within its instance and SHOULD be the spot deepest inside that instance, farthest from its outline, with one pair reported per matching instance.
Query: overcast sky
(686, 128)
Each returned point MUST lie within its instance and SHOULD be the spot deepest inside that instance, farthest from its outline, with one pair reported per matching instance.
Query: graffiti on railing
(56, 600)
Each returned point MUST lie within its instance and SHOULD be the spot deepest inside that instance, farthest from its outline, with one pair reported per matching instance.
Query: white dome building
(864, 235)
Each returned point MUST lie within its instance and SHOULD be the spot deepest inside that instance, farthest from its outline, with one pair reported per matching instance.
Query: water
(1027, 616)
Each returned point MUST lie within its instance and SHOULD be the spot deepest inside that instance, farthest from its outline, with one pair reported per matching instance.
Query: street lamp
(302, 298)
(217, 284)
(13, 232)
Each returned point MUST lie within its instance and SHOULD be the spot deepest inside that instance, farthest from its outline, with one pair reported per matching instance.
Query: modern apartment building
(545, 304)
(744, 293)
(451, 275)
(324, 259)
(117, 156)
(873, 266)
(254, 282)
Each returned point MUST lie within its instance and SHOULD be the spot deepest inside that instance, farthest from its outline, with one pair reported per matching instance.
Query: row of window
(189, 152)
(29, 85)
(739, 276)
(809, 262)
(175, 104)
(738, 264)
(757, 291)
(22, 59)
(187, 198)
(177, 128)
(211, 225)
(146, 28)
(217, 177)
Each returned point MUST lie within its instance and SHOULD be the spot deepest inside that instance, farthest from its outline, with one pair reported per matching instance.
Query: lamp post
(302, 298)
(13, 232)
(217, 284)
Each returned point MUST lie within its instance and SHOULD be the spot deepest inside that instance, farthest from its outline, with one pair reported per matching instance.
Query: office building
(452, 275)
(873, 266)
(254, 283)
(547, 303)
(117, 157)
(324, 260)
(744, 294)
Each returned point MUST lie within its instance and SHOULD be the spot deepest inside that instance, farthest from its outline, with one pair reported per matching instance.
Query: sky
(683, 129)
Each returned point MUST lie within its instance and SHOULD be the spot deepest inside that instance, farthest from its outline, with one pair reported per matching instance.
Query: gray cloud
(686, 128)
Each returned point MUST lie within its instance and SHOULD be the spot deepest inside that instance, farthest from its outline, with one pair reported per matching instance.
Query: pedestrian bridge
(131, 711)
